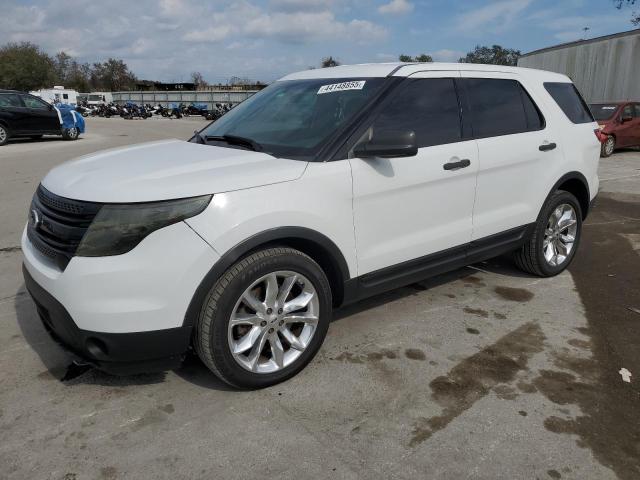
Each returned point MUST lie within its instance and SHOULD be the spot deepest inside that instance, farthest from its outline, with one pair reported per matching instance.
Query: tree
(198, 79)
(112, 75)
(422, 58)
(635, 17)
(329, 62)
(23, 66)
(495, 55)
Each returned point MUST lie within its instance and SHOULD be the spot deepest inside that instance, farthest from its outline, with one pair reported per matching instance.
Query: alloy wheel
(273, 322)
(3, 135)
(560, 235)
(609, 146)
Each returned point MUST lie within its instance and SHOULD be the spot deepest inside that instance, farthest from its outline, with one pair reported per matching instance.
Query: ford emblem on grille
(34, 219)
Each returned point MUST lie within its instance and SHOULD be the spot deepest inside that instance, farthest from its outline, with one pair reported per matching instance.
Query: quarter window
(429, 107)
(501, 107)
(570, 101)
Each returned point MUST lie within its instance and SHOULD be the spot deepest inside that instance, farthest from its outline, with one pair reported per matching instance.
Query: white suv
(326, 187)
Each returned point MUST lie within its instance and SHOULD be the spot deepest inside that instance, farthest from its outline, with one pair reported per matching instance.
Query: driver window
(33, 102)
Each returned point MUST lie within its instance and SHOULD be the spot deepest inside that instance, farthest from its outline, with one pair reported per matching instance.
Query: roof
(583, 42)
(399, 69)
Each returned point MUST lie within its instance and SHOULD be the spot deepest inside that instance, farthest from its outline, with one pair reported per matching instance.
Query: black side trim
(282, 234)
(435, 264)
(117, 353)
(585, 203)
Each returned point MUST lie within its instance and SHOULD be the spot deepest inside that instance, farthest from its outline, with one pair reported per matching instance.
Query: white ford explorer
(326, 187)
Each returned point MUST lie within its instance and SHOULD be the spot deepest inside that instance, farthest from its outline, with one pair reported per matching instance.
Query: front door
(43, 117)
(407, 208)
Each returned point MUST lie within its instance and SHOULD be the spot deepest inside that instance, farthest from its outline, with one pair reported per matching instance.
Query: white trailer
(57, 94)
(99, 98)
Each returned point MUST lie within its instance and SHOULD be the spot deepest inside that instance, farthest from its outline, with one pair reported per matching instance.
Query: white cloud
(208, 35)
(497, 16)
(307, 26)
(446, 55)
(396, 7)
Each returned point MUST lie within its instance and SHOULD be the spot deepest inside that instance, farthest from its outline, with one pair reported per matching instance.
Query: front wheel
(554, 242)
(70, 133)
(265, 319)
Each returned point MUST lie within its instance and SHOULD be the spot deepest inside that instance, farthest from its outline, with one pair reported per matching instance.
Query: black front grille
(57, 225)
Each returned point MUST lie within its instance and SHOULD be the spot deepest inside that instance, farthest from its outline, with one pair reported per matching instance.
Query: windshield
(295, 118)
(603, 111)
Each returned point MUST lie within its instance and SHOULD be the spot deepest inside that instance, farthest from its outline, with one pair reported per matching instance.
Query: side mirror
(626, 119)
(389, 144)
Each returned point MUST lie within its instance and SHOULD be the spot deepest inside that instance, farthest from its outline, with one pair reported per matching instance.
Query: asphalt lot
(481, 373)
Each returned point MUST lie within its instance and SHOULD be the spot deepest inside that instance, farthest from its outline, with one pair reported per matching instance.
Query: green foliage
(422, 58)
(495, 55)
(23, 66)
(329, 62)
(635, 17)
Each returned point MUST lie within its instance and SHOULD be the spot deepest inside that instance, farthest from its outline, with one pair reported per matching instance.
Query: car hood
(166, 170)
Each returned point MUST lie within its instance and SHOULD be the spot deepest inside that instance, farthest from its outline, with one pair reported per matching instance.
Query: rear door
(518, 153)
(13, 112)
(43, 118)
(410, 207)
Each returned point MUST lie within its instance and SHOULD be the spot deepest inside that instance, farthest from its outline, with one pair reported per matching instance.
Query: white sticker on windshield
(340, 87)
(609, 108)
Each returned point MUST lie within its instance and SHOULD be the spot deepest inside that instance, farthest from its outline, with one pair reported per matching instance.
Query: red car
(619, 124)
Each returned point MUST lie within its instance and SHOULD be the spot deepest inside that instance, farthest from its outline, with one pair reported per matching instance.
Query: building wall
(210, 98)
(603, 70)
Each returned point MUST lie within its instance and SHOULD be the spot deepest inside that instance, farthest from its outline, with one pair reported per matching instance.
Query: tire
(214, 335)
(533, 256)
(4, 135)
(70, 134)
(608, 147)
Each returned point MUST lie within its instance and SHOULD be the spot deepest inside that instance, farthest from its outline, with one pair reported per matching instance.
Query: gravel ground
(482, 373)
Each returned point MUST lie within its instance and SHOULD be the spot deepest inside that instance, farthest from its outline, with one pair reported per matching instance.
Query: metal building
(604, 68)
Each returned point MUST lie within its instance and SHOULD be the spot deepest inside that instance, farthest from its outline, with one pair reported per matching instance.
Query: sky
(265, 39)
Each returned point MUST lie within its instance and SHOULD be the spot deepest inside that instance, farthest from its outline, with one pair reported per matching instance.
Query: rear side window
(501, 107)
(570, 101)
(9, 100)
(429, 107)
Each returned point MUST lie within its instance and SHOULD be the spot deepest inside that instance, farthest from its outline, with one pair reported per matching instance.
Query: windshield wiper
(236, 140)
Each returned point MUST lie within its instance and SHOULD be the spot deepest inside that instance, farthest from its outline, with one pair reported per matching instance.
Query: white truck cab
(326, 187)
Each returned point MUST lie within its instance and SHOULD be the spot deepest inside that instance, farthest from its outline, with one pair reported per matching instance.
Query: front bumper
(124, 313)
(116, 353)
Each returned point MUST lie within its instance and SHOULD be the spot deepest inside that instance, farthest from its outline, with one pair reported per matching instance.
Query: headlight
(118, 228)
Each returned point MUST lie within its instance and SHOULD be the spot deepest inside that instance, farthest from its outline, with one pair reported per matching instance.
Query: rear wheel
(554, 242)
(4, 135)
(608, 147)
(265, 319)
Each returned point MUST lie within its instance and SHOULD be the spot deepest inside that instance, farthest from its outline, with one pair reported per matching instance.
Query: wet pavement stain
(472, 279)
(414, 354)
(514, 294)
(554, 474)
(474, 377)
(499, 316)
(366, 357)
(606, 272)
(476, 311)
(473, 331)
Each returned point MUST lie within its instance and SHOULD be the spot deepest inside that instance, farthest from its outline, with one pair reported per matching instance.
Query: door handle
(457, 165)
(546, 147)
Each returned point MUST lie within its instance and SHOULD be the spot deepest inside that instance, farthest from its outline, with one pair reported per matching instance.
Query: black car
(25, 115)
